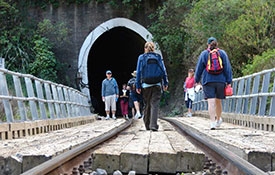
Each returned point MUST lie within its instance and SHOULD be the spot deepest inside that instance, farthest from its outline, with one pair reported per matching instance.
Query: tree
(44, 65)
(251, 34)
(243, 28)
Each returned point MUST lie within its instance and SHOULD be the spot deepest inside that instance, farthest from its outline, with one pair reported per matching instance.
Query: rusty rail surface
(233, 163)
(52, 166)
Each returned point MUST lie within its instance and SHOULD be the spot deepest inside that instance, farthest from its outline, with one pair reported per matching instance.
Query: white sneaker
(218, 122)
(213, 125)
(137, 116)
(113, 117)
(107, 117)
(189, 115)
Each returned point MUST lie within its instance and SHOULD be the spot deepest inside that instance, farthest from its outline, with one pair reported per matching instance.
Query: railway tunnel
(114, 45)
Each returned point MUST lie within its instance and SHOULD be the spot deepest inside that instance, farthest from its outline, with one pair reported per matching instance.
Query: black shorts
(214, 90)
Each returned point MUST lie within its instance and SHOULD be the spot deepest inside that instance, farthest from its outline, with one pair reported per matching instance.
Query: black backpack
(152, 71)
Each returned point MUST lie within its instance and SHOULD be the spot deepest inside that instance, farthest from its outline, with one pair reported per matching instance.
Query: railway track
(78, 160)
(75, 157)
(225, 158)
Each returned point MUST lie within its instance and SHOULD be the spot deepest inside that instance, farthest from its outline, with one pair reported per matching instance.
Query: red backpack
(214, 62)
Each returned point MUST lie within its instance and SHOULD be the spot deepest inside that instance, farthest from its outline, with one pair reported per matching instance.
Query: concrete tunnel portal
(114, 45)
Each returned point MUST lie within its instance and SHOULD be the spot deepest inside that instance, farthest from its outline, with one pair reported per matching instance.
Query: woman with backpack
(214, 69)
(150, 79)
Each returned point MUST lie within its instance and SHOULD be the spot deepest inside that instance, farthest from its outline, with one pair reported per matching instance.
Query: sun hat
(134, 74)
(211, 39)
(108, 72)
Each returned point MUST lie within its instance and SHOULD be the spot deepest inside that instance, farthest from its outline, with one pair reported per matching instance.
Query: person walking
(109, 93)
(124, 101)
(135, 98)
(151, 77)
(214, 68)
(189, 95)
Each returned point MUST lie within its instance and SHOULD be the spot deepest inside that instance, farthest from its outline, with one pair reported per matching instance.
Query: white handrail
(30, 98)
(253, 94)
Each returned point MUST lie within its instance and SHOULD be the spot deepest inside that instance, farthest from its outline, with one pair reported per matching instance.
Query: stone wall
(81, 19)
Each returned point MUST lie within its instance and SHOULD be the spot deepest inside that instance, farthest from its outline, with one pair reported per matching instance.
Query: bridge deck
(134, 148)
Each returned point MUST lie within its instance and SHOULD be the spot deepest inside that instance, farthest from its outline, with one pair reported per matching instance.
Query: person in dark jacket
(151, 92)
(213, 84)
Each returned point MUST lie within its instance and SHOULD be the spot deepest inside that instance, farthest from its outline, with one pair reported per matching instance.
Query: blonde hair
(150, 46)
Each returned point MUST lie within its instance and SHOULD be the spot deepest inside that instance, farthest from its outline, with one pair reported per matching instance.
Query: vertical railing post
(255, 90)
(19, 93)
(246, 92)
(56, 104)
(50, 99)
(4, 91)
(240, 90)
(272, 103)
(232, 106)
(68, 106)
(40, 95)
(61, 98)
(263, 99)
(32, 103)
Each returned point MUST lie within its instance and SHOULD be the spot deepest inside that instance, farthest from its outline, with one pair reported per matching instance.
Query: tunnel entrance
(114, 45)
(116, 50)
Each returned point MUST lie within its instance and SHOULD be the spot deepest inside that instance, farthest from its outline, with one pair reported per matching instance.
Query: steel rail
(61, 159)
(244, 166)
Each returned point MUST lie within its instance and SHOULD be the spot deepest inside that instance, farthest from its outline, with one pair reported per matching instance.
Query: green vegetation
(28, 47)
(244, 29)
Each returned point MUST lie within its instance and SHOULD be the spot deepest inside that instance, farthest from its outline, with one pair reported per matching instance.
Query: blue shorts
(214, 90)
(135, 96)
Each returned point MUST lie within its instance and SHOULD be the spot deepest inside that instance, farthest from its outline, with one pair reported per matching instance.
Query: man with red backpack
(214, 69)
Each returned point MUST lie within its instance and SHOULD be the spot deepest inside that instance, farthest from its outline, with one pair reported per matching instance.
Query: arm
(138, 76)
(227, 67)
(165, 78)
(103, 90)
(116, 87)
(200, 67)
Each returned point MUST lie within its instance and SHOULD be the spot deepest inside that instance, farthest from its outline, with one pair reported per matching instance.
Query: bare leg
(136, 103)
(138, 115)
(133, 112)
(212, 109)
(114, 113)
(218, 108)
(107, 113)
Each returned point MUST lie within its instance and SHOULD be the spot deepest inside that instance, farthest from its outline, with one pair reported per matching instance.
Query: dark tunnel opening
(116, 50)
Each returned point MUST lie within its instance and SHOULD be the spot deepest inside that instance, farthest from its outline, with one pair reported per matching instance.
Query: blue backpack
(152, 71)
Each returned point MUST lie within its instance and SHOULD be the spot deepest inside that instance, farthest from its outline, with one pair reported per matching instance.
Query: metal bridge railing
(252, 94)
(24, 97)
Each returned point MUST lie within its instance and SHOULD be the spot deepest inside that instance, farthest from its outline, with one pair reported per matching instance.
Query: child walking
(189, 90)
(124, 101)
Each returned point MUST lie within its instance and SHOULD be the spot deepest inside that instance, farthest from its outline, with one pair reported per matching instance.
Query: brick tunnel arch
(114, 45)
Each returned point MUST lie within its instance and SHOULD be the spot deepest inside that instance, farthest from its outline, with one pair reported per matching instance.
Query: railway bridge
(42, 120)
